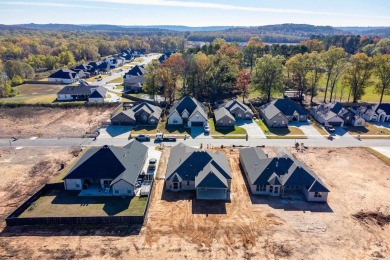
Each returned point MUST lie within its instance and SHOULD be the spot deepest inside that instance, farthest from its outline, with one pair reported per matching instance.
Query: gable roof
(282, 105)
(221, 113)
(284, 171)
(110, 162)
(76, 90)
(135, 71)
(152, 110)
(64, 74)
(233, 104)
(99, 92)
(191, 105)
(195, 165)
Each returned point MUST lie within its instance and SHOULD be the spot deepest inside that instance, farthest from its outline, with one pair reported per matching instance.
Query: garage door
(211, 194)
(335, 123)
(196, 123)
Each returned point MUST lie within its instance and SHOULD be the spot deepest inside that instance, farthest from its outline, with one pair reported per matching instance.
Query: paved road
(104, 81)
(71, 142)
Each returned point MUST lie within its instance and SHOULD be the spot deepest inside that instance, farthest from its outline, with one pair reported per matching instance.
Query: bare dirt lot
(26, 122)
(247, 227)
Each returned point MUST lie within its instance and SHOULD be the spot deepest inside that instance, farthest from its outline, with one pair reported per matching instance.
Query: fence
(14, 220)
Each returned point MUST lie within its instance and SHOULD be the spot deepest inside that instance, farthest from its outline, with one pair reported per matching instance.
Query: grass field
(117, 80)
(144, 130)
(368, 129)
(169, 129)
(236, 130)
(61, 203)
(281, 133)
(34, 93)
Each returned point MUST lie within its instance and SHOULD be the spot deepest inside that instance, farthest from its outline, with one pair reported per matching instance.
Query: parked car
(152, 163)
(143, 138)
(330, 128)
(207, 129)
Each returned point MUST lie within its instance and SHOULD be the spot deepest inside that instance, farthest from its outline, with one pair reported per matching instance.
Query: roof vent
(277, 164)
(105, 146)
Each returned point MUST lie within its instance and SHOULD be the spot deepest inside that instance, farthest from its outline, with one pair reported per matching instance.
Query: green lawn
(117, 80)
(368, 129)
(280, 132)
(236, 130)
(369, 96)
(62, 203)
(119, 87)
(170, 129)
(144, 130)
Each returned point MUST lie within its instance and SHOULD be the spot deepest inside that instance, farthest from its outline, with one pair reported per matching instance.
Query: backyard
(61, 203)
(34, 93)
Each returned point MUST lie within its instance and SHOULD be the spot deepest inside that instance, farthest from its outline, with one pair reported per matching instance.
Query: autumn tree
(313, 45)
(331, 59)
(358, 74)
(268, 75)
(243, 83)
(152, 81)
(299, 66)
(252, 50)
(382, 71)
(314, 73)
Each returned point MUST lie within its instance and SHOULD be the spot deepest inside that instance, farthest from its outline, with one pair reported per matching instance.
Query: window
(188, 183)
(152, 120)
(261, 187)
(317, 195)
(77, 185)
(129, 191)
(175, 121)
(271, 189)
(116, 191)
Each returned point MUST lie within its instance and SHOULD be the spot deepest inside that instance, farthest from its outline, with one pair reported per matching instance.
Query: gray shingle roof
(76, 90)
(64, 74)
(194, 165)
(99, 92)
(278, 171)
(232, 104)
(283, 105)
(110, 162)
(152, 110)
(221, 113)
(191, 105)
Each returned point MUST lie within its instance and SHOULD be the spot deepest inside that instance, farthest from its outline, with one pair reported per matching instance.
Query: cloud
(174, 3)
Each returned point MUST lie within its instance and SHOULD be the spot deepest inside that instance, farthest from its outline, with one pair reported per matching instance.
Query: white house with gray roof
(280, 176)
(374, 113)
(202, 171)
(111, 170)
(187, 112)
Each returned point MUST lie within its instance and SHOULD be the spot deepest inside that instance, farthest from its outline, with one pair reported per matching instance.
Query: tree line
(223, 69)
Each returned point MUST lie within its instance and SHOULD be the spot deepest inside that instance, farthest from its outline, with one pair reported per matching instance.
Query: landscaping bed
(281, 132)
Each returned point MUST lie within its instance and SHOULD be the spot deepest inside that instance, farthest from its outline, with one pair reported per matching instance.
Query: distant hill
(279, 33)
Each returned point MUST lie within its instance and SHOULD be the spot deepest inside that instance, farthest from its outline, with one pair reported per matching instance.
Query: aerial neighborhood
(268, 142)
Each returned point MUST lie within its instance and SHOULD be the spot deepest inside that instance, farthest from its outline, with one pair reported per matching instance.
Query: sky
(197, 12)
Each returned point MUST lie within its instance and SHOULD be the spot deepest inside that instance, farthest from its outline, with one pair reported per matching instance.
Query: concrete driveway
(198, 132)
(252, 129)
(341, 133)
(309, 130)
(114, 131)
(383, 150)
